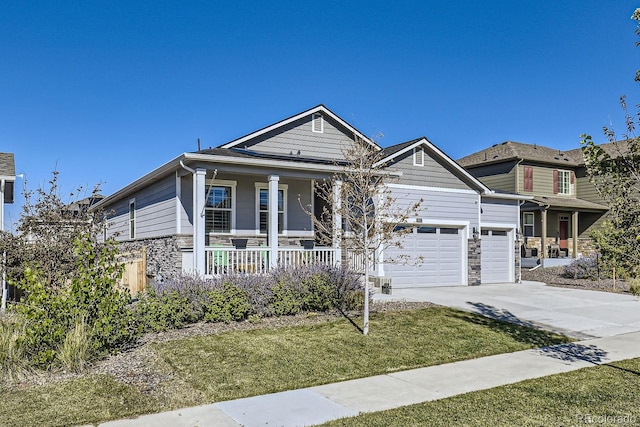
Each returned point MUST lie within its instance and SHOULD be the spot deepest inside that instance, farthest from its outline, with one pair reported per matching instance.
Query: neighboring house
(565, 205)
(7, 180)
(190, 211)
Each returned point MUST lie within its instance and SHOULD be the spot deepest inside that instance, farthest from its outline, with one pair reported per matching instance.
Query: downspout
(194, 208)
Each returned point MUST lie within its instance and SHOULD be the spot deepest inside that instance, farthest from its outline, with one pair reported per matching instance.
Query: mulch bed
(553, 276)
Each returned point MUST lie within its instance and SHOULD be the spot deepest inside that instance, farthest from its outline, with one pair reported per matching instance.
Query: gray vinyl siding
(501, 176)
(432, 174)
(246, 206)
(439, 205)
(499, 211)
(155, 212)
(299, 137)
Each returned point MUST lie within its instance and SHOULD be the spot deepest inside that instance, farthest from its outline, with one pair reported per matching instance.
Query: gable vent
(317, 123)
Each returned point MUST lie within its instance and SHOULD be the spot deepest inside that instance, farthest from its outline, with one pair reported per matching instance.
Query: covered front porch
(251, 221)
(556, 230)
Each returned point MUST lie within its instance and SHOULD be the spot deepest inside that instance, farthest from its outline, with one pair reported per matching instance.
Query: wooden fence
(134, 276)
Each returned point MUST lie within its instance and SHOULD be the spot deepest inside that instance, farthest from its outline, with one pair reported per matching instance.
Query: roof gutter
(182, 160)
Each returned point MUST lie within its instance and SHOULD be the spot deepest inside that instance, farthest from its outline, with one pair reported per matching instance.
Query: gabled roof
(511, 150)
(614, 149)
(317, 109)
(394, 151)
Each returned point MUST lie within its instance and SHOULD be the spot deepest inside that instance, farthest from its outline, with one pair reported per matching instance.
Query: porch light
(475, 234)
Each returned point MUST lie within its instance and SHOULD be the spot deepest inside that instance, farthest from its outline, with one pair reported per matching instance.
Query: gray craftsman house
(237, 207)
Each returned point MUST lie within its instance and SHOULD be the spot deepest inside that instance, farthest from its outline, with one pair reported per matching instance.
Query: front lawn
(602, 395)
(246, 363)
(241, 364)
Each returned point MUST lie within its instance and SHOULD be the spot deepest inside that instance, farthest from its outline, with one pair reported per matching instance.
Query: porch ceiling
(564, 203)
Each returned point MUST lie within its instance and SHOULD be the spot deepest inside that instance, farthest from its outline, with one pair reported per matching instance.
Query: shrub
(51, 310)
(227, 304)
(169, 310)
(582, 268)
(184, 299)
(634, 287)
(284, 300)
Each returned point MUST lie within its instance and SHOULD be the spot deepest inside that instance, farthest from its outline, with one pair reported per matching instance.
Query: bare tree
(360, 211)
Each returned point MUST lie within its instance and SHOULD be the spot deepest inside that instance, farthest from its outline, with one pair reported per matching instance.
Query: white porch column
(337, 221)
(273, 220)
(199, 190)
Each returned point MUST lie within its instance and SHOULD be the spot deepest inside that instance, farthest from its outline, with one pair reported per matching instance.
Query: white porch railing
(223, 260)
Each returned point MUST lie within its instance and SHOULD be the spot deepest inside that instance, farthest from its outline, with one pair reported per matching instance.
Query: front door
(563, 232)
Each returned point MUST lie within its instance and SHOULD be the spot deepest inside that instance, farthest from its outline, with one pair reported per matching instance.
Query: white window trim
(562, 172)
(223, 183)
(532, 225)
(418, 151)
(314, 116)
(131, 221)
(265, 186)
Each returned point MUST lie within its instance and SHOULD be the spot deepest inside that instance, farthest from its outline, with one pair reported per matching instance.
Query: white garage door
(496, 261)
(441, 263)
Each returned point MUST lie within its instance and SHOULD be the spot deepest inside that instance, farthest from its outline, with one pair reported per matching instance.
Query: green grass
(241, 364)
(559, 400)
(88, 400)
(246, 363)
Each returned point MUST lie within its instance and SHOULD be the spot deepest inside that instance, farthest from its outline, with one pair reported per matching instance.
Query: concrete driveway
(578, 313)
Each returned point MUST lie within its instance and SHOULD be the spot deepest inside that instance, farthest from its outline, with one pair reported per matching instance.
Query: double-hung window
(564, 182)
(527, 224)
(219, 206)
(262, 203)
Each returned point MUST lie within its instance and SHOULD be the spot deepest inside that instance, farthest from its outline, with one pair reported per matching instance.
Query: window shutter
(573, 177)
(528, 178)
(555, 181)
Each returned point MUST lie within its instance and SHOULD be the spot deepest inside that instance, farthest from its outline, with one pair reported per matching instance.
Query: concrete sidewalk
(316, 405)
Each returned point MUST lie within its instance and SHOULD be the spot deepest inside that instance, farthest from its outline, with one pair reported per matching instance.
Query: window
(219, 208)
(448, 231)
(317, 123)
(527, 224)
(132, 219)
(427, 230)
(263, 208)
(528, 178)
(562, 182)
(418, 156)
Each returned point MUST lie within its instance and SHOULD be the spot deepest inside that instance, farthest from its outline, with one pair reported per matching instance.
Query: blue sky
(104, 92)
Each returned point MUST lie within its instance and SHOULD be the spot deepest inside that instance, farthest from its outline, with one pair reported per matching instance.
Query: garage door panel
(495, 256)
(441, 258)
